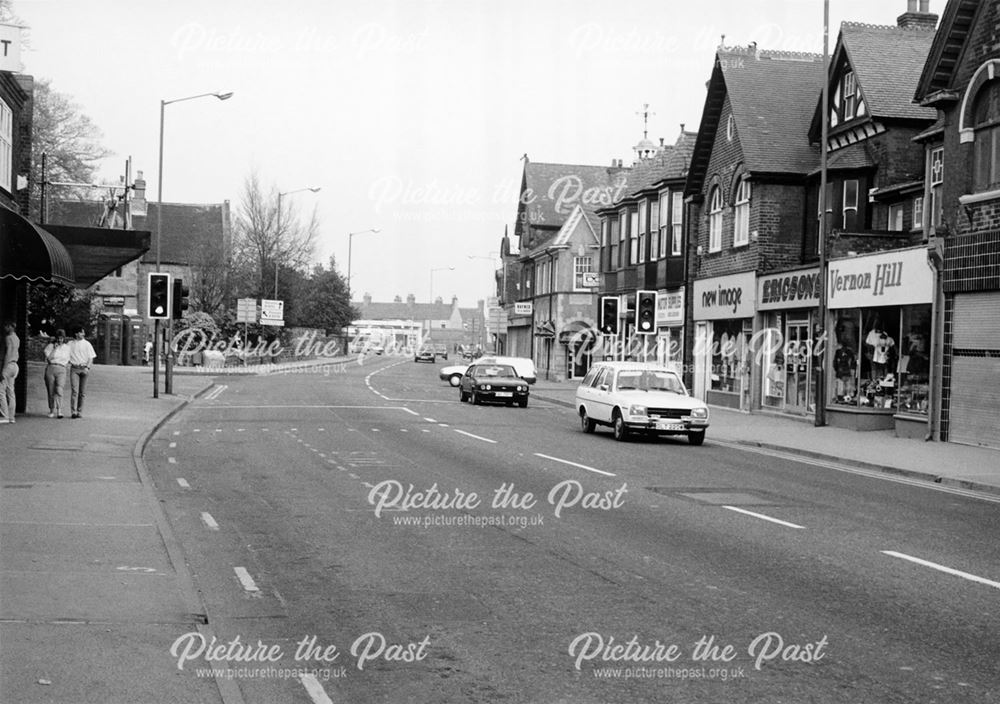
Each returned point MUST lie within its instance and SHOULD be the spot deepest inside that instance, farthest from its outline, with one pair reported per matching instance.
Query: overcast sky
(412, 116)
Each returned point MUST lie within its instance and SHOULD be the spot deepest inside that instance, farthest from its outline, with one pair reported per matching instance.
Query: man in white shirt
(11, 353)
(81, 357)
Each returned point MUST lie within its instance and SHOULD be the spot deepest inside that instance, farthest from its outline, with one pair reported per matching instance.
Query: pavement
(91, 573)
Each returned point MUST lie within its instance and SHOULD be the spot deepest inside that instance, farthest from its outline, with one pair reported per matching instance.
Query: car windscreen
(495, 371)
(649, 380)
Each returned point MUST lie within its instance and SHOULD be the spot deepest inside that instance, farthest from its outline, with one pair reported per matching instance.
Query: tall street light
(277, 236)
(350, 246)
(443, 268)
(159, 241)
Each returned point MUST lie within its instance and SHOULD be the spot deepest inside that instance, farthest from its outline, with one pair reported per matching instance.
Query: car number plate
(504, 394)
(669, 426)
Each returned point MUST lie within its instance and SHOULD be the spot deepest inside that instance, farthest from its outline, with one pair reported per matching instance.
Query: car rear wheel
(620, 429)
(587, 423)
(455, 379)
(696, 437)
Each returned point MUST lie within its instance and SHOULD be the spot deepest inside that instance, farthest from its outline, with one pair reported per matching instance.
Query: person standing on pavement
(56, 368)
(81, 357)
(11, 353)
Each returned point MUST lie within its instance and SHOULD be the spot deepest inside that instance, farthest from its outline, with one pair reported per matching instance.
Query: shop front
(880, 325)
(787, 305)
(724, 308)
(670, 329)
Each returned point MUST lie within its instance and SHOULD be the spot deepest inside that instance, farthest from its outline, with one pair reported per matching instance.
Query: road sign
(272, 312)
(246, 310)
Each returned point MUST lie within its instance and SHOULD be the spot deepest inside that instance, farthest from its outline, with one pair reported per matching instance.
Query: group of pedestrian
(72, 358)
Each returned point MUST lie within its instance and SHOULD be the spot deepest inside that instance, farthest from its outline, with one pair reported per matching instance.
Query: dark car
(424, 354)
(497, 383)
(441, 351)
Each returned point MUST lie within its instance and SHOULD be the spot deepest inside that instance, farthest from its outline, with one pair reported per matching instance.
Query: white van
(524, 367)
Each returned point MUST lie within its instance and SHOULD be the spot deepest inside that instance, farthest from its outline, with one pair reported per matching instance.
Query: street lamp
(443, 268)
(159, 240)
(277, 235)
(350, 244)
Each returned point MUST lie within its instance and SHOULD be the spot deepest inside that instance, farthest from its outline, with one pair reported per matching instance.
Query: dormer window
(850, 96)
(847, 101)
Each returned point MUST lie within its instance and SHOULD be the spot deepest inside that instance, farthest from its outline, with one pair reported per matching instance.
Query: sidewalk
(949, 464)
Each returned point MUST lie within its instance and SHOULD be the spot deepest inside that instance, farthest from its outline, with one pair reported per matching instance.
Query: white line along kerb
(942, 568)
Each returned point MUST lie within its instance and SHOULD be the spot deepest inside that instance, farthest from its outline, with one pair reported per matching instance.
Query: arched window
(986, 148)
(715, 221)
(741, 219)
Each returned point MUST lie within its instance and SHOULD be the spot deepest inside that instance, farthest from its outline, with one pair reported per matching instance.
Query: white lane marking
(443, 425)
(403, 430)
(314, 688)
(576, 464)
(376, 430)
(430, 420)
(942, 568)
(352, 475)
(411, 412)
(477, 437)
(240, 430)
(245, 579)
(214, 393)
(424, 430)
(197, 430)
(183, 482)
(764, 518)
(172, 445)
(177, 432)
(171, 460)
(321, 429)
(209, 521)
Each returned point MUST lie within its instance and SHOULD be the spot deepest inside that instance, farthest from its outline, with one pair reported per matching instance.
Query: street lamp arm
(220, 96)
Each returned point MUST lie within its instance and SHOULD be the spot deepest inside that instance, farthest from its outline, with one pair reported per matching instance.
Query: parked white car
(639, 397)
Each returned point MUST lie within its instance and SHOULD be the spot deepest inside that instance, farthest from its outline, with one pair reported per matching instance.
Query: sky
(411, 116)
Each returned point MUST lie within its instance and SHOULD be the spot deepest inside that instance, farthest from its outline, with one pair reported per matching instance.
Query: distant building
(404, 324)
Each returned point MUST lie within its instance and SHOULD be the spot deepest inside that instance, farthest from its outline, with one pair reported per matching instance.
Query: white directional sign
(246, 310)
(272, 312)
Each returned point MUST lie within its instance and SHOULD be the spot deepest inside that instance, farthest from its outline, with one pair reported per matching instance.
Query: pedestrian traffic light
(180, 299)
(645, 312)
(159, 290)
(609, 315)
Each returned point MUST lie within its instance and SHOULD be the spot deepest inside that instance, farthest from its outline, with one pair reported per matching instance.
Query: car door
(601, 396)
(467, 379)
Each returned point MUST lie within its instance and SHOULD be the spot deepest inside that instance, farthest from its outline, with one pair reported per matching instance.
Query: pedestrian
(81, 357)
(8, 373)
(56, 368)
(147, 350)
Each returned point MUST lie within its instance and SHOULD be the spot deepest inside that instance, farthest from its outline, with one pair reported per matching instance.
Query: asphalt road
(364, 525)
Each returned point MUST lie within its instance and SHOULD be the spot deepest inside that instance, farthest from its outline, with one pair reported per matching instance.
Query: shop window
(676, 223)
(914, 360)
(741, 219)
(715, 221)
(986, 147)
(654, 238)
(895, 217)
(729, 353)
(641, 237)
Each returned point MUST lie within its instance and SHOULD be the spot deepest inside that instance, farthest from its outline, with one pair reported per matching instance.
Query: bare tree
(267, 239)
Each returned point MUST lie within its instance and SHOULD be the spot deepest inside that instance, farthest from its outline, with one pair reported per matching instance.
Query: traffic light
(159, 296)
(609, 315)
(645, 312)
(180, 300)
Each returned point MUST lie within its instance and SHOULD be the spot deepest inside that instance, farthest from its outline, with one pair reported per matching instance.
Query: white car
(639, 397)
(453, 374)
(524, 366)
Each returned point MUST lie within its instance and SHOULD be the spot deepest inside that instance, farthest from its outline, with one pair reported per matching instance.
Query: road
(359, 522)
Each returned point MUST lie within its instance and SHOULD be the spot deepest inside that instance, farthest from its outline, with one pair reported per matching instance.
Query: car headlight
(522, 388)
(637, 410)
(699, 413)
(485, 387)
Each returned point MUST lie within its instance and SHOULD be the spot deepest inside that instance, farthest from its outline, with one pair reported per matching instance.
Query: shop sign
(522, 308)
(725, 297)
(793, 289)
(114, 301)
(670, 308)
(898, 278)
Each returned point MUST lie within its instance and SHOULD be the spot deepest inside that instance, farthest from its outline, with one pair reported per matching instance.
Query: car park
(498, 383)
(639, 397)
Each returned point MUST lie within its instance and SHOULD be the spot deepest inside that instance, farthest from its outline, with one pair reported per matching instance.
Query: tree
(327, 303)
(52, 306)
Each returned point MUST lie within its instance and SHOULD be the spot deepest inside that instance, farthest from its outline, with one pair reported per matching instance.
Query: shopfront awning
(546, 328)
(98, 251)
(31, 253)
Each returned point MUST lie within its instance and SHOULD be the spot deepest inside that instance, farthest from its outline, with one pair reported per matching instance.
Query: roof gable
(948, 48)
(577, 229)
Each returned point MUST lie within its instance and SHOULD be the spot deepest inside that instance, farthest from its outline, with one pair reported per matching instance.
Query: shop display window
(729, 351)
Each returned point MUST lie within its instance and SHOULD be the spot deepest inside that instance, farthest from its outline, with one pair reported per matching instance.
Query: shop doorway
(798, 372)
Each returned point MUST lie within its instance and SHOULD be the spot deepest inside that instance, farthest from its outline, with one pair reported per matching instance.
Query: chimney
(410, 299)
(367, 298)
(454, 301)
(439, 301)
(397, 299)
(137, 204)
(917, 16)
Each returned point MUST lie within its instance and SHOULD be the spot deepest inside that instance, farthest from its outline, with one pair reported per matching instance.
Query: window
(664, 221)
(605, 247)
(730, 128)
(741, 221)
(715, 221)
(918, 213)
(6, 146)
(676, 223)
(623, 239)
(633, 237)
(654, 224)
(613, 262)
(581, 266)
(850, 204)
(937, 182)
(850, 93)
(641, 240)
(895, 217)
(986, 147)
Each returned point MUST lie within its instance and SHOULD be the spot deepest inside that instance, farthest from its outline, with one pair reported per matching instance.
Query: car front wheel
(455, 379)
(620, 429)
(475, 399)
(587, 423)
(696, 437)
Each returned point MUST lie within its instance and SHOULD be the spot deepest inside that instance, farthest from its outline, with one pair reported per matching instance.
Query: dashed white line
(314, 688)
(942, 568)
(430, 420)
(206, 517)
(411, 412)
(177, 432)
(576, 464)
(183, 482)
(424, 430)
(245, 579)
(352, 475)
(444, 425)
(477, 437)
(762, 517)
(172, 445)
(171, 460)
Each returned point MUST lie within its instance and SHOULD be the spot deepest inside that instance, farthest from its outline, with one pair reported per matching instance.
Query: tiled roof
(854, 156)
(186, 227)
(887, 62)
(402, 311)
(773, 95)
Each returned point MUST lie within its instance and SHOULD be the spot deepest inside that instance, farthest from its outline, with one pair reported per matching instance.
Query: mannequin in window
(881, 345)
(845, 363)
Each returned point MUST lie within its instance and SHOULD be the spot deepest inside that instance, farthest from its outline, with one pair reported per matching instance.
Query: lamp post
(168, 381)
(443, 268)
(277, 235)
(350, 244)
